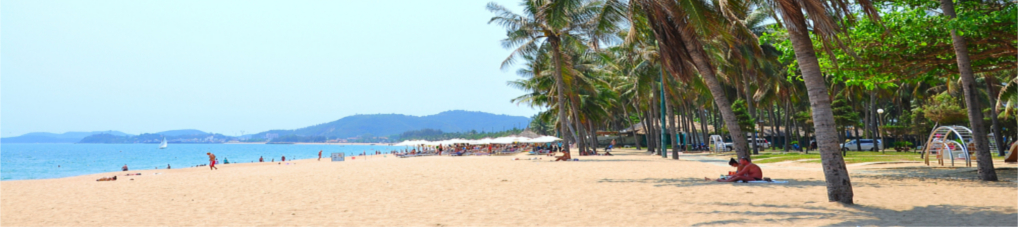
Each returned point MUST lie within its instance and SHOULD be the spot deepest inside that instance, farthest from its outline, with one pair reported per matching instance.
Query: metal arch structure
(717, 144)
(945, 140)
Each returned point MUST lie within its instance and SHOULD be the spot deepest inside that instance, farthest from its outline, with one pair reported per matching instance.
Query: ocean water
(41, 161)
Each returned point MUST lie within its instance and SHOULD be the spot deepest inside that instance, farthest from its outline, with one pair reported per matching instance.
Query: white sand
(631, 189)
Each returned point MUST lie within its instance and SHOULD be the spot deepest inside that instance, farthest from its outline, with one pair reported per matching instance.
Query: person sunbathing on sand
(749, 172)
(107, 178)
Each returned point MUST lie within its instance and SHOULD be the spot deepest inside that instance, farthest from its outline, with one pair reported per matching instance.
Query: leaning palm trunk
(677, 45)
(839, 186)
(720, 99)
(968, 81)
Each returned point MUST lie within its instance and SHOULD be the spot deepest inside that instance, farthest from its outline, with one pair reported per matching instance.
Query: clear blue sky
(231, 66)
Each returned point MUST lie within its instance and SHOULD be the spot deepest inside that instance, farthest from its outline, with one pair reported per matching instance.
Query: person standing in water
(212, 161)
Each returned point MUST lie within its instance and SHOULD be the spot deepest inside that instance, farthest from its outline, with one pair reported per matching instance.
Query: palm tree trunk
(648, 132)
(992, 94)
(788, 125)
(720, 99)
(593, 136)
(752, 111)
(672, 126)
(656, 120)
(774, 124)
(839, 186)
(636, 139)
(696, 132)
(968, 81)
(702, 113)
(560, 94)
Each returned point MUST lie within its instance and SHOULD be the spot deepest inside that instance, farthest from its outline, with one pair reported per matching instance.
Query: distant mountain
(392, 124)
(182, 132)
(45, 137)
(364, 126)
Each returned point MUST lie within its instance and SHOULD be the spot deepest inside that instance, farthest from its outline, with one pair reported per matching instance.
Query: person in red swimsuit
(212, 161)
(749, 172)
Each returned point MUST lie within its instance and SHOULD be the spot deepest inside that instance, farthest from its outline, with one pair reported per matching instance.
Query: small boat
(163, 145)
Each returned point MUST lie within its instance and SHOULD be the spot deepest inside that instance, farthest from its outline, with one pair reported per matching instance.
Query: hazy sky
(231, 66)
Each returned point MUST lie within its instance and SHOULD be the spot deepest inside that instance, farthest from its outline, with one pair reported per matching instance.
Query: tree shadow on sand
(689, 182)
(859, 215)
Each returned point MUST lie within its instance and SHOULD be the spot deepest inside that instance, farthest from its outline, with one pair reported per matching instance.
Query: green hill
(393, 124)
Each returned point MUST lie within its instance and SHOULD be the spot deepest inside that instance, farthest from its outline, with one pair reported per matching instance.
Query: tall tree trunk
(702, 113)
(968, 81)
(696, 133)
(774, 124)
(636, 138)
(877, 135)
(654, 129)
(788, 125)
(560, 93)
(839, 186)
(992, 94)
(592, 134)
(752, 112)
(720, 99)
(672, 126)
(582, 143)
(645, 120)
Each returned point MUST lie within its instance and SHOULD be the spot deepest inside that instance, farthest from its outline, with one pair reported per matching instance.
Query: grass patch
(852, 157)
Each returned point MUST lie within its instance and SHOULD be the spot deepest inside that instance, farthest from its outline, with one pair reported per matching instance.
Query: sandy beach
(631, 189)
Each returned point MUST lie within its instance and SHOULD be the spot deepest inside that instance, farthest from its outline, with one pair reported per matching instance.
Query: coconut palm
(984, 159)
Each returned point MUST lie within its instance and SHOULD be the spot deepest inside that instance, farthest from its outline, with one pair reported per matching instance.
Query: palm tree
(824, 24)
(675, 26)
(543, 25)
(983, 157)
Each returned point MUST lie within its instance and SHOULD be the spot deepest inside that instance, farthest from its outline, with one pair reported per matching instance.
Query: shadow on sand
(688, 182)
(857, 215)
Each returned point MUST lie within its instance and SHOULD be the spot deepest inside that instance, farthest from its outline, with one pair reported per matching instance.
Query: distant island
(373, 128)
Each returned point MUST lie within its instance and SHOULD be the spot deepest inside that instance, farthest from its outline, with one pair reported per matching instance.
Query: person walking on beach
(212, 161)
(319, 155)
(284, 157)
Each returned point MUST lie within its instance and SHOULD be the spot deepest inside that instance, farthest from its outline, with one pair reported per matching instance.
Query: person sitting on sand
(749, 172)
(167, 166)
(261, 159)
(124, 168)
(733, 163)
(107, 178)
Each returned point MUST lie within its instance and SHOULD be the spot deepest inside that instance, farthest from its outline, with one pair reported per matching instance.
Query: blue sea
(41, 161)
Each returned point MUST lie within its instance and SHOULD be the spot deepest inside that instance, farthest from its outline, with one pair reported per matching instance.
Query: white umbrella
(545, 139)
(508, 140)
(484, 141)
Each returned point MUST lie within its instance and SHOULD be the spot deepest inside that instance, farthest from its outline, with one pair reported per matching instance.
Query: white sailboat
(163, 145)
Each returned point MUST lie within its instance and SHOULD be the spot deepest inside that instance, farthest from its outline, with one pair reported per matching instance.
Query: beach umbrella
(544, 139)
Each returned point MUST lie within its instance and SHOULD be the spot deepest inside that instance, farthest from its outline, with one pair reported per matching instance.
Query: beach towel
(768, 182)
